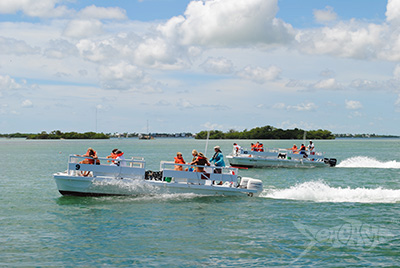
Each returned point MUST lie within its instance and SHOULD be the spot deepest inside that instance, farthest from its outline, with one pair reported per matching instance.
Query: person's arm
(220, 157)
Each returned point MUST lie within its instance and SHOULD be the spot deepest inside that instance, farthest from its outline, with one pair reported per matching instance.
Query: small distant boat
(279, 158)
(131, 178)
(145, 137)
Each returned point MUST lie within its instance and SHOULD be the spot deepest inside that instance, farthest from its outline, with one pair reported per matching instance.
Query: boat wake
(143, 191)
(318, 191)
(367, 162)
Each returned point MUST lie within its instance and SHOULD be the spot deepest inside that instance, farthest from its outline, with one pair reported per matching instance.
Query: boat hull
(250, 161)
(130, 178)
(88, 186)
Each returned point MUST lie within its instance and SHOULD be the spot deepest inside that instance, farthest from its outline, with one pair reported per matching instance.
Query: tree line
(56, 134)
(266, 133)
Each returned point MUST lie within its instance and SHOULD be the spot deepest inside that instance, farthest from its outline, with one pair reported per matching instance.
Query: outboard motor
(153, 175)
(330, 161)
(243, 182)
(254, 184)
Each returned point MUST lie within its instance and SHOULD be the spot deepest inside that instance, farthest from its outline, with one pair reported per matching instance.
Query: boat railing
(280, 152)
(106, 167)
(185, 173)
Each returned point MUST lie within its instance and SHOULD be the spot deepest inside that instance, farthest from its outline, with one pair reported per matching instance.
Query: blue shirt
(218, 160)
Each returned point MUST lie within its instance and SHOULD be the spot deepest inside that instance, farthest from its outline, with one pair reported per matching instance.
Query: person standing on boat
(236, 149)
(303, 150)
(311, 148)
(179, 160)
(218, 159)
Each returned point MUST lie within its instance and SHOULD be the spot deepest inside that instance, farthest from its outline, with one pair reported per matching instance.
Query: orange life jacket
(179, 160)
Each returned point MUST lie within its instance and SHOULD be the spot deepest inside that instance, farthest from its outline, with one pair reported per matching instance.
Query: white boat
(130, 178)
(278, 158)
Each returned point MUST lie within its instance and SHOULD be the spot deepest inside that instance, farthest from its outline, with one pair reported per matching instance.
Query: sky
(173, 66)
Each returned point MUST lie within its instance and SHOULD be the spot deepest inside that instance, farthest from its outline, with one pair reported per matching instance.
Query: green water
(347, 216)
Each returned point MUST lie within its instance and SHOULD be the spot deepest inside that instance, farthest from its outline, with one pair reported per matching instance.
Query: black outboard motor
(153, 175)
(330, 161)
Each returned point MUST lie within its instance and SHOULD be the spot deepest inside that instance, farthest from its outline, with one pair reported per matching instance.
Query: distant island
(261, 133)
(267, 133)
(67, 135)
(364, 136)
(57, 134)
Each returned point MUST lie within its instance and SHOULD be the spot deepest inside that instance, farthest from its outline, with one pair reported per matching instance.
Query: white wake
(367, 162)
(318, 191)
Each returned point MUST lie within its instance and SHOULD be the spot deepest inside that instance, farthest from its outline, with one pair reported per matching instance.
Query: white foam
(367, 162)
(321, 192)
(141, 190)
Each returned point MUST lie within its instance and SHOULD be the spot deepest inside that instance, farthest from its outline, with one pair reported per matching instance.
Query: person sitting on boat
(120, 159)
(92, 157)
(303, 150)
(201, 161)
(260, 147)
(256, 146)
(179, 160)
(236, 149)
(218, 159)
(311, 148)
(252, 146)
(113, 155)
(294, 149)
(194, 154)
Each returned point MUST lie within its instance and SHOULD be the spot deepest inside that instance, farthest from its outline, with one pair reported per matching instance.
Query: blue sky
(187, 66)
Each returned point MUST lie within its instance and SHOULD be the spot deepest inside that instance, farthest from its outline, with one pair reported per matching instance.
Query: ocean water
(347, 216)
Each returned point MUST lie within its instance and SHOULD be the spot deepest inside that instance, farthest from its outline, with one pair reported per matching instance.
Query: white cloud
(279, 106)
(364, 84)
(325, 15)
(397, 102)
(393, 11)
(94, 12)
(218, 65)
(260, 75)
(354, 38)
(158, 53)
(27, 104)
(33, 8)
(61, 48)
(16, 47)
(353, 105)
(212, 126)
(350, 40)
(327, 73)
(396, 72)
(310, 106)
(185, 104)
(302, 107)
(90, 50)
(329, 83)
(83, 28)
(8, 83)
(124, 76)
(228, 23)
